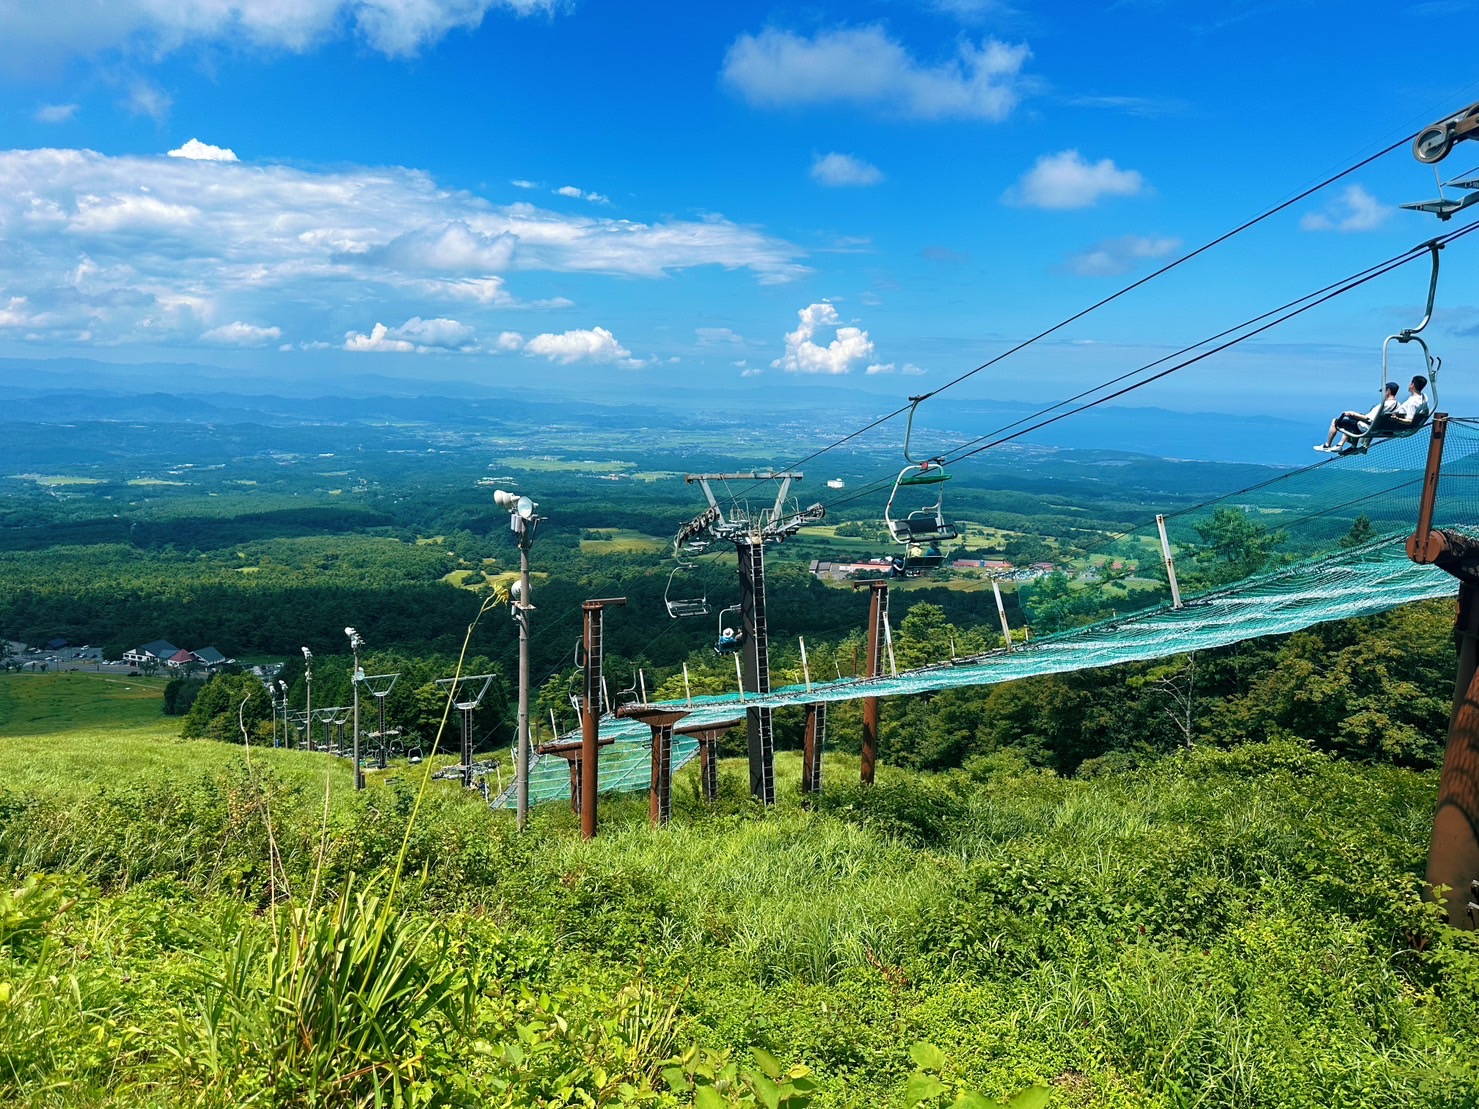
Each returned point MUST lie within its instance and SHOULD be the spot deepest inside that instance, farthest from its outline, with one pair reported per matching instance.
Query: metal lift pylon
(750, 534)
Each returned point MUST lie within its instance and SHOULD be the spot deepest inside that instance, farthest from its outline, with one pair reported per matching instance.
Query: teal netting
(1336, 578)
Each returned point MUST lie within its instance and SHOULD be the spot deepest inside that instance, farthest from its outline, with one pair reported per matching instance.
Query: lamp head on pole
(307, 655)
(515, 504)
(356, 641)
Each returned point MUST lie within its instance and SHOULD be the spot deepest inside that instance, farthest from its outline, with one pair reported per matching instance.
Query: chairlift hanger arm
(1408, 333)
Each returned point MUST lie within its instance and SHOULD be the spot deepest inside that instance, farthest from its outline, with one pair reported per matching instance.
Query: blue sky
(614, 197)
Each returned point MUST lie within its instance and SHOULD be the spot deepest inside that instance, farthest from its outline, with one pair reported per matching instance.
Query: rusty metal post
(590, 712)
(877, 598)
(812, 745)
(575, 776)
(1453, 853)
(1420, 544)
(661, 721)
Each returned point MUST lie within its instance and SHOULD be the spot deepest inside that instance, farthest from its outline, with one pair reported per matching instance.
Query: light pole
(308, 694)
(356, 641)
(522, 521)
(283, 691)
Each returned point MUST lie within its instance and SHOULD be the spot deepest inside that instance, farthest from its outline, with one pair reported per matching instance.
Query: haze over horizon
(867, 200)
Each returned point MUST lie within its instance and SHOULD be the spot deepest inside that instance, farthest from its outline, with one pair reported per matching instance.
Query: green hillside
(1218, 927)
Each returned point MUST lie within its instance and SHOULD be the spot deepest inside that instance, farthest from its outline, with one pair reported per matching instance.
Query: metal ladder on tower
(755, 552)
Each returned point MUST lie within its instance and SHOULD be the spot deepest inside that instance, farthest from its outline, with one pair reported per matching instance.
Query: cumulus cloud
(41, 35)
(203, 152)
(1354, 210)
(1065, 180)
(751, 371)
(880, 368)
(415, 335)
(54, 113)
(155, 249)
(864, 66)
(804, 355)
(523, 183)
(509, 340)
(844, 169)
(577, 194)
(581, 345)
(1116, 256)
(240, 334)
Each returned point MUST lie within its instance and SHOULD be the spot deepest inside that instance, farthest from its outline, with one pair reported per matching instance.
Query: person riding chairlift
(730, 640)
(1358, 423)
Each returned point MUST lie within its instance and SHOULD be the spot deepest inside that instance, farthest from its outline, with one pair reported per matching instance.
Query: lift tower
(750, 532)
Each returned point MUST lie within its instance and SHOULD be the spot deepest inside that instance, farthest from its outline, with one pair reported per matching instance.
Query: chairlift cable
(1283, 313)
(1023, 344)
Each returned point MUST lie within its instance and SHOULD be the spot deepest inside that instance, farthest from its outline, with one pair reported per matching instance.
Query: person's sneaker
(1323, 447)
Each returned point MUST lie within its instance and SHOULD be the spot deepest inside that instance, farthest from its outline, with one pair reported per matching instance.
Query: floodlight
(355, 639)
(516, 504)
(307, 653)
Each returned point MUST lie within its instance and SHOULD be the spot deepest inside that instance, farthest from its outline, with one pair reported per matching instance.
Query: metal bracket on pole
(1160, 522)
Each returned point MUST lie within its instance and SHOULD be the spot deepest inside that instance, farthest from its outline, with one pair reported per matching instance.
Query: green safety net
(1323, 572)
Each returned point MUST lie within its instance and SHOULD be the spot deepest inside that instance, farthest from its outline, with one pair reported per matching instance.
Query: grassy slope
(1220, 929)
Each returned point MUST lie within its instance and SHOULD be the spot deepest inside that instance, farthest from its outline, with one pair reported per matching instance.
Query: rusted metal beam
(814, 741)
(877, 613)
(1453, 852)
(590, 711)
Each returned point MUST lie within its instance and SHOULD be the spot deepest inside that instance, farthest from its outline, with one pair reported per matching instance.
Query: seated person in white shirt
(1357, 423)
(1412, 412)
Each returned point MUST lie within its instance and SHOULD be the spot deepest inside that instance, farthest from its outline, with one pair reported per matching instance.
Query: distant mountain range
(82, 391)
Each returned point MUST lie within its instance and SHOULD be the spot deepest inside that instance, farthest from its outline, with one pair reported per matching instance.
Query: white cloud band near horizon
(158, 249)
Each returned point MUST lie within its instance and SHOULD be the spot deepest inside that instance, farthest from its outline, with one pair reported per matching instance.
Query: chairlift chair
(922, 529)
(680, 607)
(1383, 427)
(731, 631)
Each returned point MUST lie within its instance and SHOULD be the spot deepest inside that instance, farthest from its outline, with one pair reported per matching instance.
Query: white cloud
(865, 66)
(145, 98)
(880, 368)
(55, 113)
(1116, 256)
(129, 248)
(1354, 210)
(203, 152)
(509, 340)
(717, 336)
(240, 334)
(521, 183)
(850, 345)
(911, 370)
(751, 371)
(415, 335)
(1065, 180)
(577, 194)
(844, 169)
(40, 36)
(593, 345)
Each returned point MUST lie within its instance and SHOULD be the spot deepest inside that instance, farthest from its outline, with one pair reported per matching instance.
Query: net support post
(812, 745)
(805, 666)
(1160, 523)
(593, 612)
(877, 620)
(1001, 611)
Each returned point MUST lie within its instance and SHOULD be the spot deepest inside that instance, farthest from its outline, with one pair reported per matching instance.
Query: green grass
(622, 541)
(45, 704)
(1221, 928)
